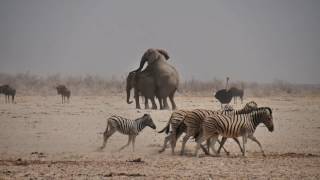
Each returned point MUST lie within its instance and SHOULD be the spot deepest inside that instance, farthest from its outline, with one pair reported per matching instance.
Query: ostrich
(224, 96)
(237, 93)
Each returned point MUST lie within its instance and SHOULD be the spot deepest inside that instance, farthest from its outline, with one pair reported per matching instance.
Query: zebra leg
(199, 141)
(237, 141)
(133, 142)
(185, 139)
(224, 149)
(166, 140)
(256, 140)
(129, 140)
(212, 143)
(244, 142)
(223, 140)
(106, 135)
(173, 140)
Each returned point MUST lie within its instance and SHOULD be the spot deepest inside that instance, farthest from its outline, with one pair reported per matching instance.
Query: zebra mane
(269, 109)
(263, 108)
(142, 118)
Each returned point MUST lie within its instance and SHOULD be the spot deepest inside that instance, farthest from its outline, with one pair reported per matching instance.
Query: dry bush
(30, 84)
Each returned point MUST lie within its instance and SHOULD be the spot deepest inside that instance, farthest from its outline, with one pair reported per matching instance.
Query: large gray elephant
(143, 85)
(166, 77)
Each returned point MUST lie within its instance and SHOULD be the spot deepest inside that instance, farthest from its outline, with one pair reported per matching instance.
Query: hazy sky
(251, 40)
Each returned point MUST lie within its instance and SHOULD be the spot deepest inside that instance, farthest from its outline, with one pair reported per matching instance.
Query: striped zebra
(178, 126)
(236, 125)
(194, 120)
(126, 126)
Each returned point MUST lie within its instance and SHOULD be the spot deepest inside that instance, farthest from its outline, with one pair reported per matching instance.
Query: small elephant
(165, 76)
(143, 85)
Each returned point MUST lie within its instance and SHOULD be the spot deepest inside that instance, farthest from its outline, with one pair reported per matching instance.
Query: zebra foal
(236, 125)
(126, 126)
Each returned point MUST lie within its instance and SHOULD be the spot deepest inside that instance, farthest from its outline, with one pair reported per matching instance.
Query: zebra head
(148, 121)
(266, 118)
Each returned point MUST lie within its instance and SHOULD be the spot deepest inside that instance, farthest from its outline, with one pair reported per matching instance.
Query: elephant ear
(164, 53)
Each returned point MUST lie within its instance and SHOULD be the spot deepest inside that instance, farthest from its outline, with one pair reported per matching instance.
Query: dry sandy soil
(43, 139)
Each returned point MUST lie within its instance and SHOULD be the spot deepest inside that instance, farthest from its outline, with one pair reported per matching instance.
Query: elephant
(165, 76)
(144, 85)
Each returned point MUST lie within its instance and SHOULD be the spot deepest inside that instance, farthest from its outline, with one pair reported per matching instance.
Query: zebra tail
(107, 128)
(167, 127)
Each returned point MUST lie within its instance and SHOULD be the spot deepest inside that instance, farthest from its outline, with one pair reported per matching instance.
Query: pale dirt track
(41, 138)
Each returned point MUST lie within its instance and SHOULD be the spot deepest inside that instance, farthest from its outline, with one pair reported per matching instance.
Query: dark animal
(236, 93)
(64, 91)
(224, 96)
(143, 84)
(164, 75)
(8, 91)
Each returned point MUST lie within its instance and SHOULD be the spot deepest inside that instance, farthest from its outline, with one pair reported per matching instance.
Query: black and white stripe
(236, 125)
(126, 126)
(178, 127)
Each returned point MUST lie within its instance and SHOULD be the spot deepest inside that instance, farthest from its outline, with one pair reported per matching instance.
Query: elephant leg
(171, 96)
(160, 102)
(146, 104)
(137, 102)
(154, 105)
(165, 103)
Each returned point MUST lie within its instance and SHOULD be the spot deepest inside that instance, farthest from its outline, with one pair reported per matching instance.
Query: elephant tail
(167, 127)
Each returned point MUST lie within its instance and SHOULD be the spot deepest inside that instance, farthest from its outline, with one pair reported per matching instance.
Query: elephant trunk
(128, 95)
(143, 60)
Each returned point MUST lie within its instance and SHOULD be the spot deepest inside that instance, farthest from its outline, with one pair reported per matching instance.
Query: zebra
(232, 126)
(126, 126)
(8, 91)
(194, 120)
(179, 127)
(64, 91)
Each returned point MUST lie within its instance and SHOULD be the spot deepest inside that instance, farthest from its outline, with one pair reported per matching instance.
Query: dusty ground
(41, 138)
